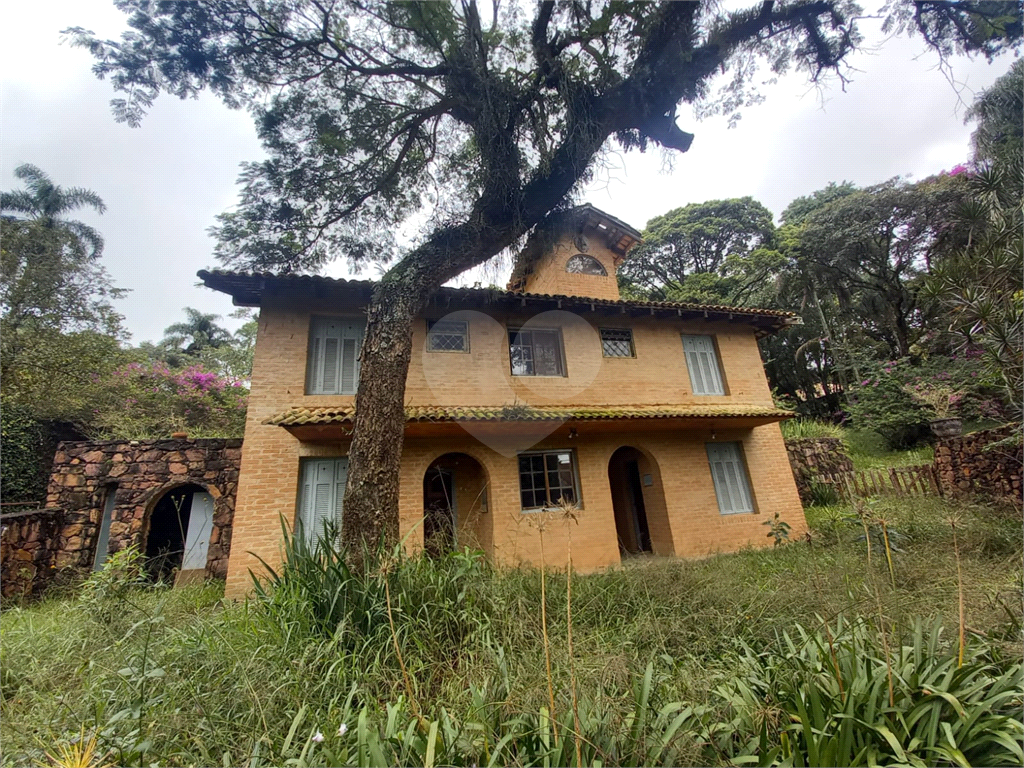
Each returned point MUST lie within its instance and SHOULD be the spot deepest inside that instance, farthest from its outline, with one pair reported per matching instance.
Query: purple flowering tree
(145, 401)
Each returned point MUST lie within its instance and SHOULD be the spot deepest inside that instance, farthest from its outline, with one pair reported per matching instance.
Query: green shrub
(24, 459)
(882, 404)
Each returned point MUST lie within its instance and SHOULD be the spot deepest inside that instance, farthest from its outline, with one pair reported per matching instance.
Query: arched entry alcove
(638, 500)
(455, 513)
(178, 539)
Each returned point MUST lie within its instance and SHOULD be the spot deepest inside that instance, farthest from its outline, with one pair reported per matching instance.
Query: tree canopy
(713, 239)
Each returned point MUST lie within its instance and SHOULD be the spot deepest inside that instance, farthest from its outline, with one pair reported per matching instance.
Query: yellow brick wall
(684, 519)
(549, 275)
(682, 509)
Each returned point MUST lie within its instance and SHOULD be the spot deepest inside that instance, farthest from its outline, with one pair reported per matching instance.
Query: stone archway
(455, 505)
(638, 501)
(180, 523)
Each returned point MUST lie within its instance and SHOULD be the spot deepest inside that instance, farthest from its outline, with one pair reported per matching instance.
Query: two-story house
(655, 418)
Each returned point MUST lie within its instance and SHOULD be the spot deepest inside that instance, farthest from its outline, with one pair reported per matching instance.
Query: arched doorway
(455, 505)
(179, 534)
(638, 501)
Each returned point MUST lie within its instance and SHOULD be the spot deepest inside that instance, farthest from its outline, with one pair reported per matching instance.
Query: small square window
(617, 342)
(535, 352)
(547, 478)
(448, 336)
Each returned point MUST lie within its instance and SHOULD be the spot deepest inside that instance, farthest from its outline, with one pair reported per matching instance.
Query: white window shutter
(305, 517)
(320, 500)
(702, 363)
(334, 356)
(730, 478)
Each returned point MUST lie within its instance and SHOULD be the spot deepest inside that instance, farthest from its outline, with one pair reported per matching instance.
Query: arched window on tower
(582, 264)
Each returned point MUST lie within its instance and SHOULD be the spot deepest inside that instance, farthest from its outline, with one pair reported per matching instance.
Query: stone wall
(964, 466)
(813, 456)
(27, 541)
(63, 536)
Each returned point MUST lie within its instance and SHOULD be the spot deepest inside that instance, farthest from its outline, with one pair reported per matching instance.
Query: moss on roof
(299, 416)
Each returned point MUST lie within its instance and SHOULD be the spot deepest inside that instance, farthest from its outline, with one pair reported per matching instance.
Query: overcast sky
(164, 182)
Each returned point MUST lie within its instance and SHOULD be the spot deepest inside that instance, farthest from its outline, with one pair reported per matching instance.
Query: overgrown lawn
(674, 661)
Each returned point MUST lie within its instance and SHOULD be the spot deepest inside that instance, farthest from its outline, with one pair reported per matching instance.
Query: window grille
(582, 264)
(448, 336)
(617, 342)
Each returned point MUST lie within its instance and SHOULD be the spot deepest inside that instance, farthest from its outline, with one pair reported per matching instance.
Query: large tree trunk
(370, 507)
(371, 496)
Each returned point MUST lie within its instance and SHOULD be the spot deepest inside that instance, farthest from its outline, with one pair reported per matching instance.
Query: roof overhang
(336, 422)
(253, 290)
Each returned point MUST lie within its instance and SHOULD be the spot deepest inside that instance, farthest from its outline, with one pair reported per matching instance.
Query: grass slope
(667, 655)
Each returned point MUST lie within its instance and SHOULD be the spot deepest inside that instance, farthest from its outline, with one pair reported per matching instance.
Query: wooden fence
(919, 480)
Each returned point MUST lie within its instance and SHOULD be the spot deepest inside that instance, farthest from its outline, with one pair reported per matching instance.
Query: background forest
(910, 294)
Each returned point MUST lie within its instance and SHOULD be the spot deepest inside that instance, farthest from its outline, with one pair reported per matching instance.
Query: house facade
(655, 419)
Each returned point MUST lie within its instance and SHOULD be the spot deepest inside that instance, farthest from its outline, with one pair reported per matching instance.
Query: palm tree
(45, 203)
(199, 330)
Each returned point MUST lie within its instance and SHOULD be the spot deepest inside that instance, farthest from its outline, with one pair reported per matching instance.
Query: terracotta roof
(299, 416)
(248, 289)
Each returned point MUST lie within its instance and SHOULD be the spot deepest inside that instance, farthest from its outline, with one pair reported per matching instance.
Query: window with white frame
(535, 352)
(321, 490)
(333, 366)
(730, 476)
(547, 477)
(617, 342)
(702, 363)
(447, 336)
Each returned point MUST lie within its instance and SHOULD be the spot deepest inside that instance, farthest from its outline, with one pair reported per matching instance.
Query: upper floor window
(447, 336)
(730, 477)
(536, 352)
(585, 265)
(321, 491)
(617, 342)
(333, 367)
(546, 478)
(702, 362)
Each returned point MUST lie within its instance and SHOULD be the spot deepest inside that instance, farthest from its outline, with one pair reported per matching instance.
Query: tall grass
(794, 429)
(673, 662)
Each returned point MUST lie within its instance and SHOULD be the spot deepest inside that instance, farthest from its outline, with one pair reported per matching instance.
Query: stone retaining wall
(813, 456)
(963, 466)
(27, 543)
(63, 536)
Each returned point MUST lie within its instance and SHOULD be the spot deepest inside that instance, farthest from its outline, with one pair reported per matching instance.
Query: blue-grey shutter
(730, 477)
(702, 363)
(334, 356)
(103, 540)
(320, 500)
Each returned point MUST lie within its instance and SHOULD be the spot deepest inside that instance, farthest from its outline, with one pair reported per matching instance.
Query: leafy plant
(778, 529)
(941, 713)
